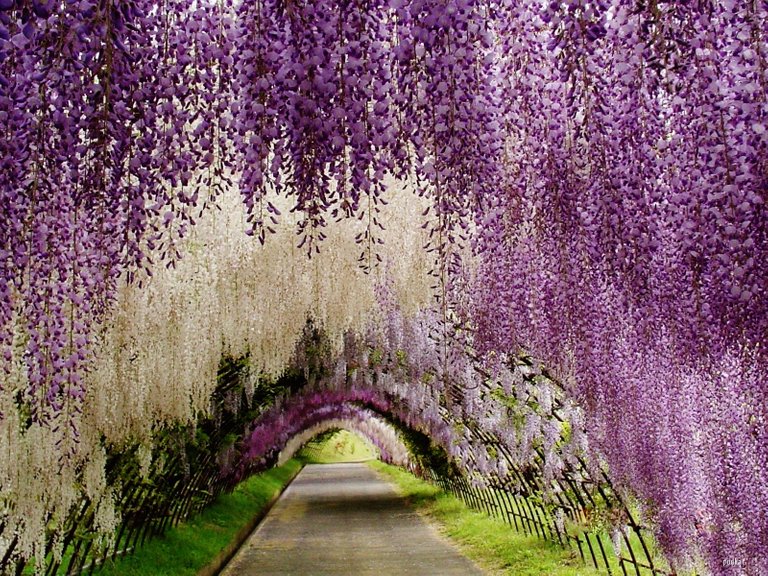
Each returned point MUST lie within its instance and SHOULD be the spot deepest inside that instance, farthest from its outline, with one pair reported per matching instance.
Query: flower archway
(580, 185)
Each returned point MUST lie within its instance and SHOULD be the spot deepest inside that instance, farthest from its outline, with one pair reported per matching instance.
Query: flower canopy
(580, 182)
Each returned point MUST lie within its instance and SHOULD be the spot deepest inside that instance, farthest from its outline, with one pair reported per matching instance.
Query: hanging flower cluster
(315, 113)
(628, 251)
(104, 157)
(334, 96)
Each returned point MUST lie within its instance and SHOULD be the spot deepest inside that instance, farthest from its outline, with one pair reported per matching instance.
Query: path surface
(345, 519)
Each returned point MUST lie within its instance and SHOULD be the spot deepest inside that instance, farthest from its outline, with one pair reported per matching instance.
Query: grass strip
(491, 543)
(191, 546)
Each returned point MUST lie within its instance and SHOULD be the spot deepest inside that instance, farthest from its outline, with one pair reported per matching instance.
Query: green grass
(187, 548)
(491, 543)
(342, 446)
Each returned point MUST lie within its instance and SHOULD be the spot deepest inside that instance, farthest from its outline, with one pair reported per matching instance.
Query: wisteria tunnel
(519, 246)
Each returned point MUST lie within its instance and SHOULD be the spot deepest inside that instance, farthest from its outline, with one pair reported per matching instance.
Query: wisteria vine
(595, 177)
(110, 132)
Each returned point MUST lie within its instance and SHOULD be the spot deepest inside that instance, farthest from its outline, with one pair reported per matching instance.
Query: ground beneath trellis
(339, 519)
